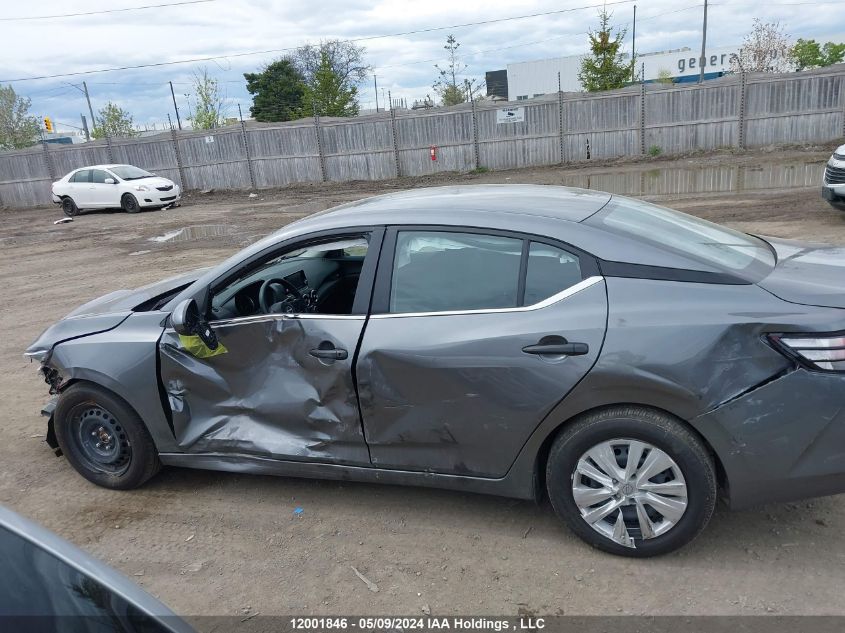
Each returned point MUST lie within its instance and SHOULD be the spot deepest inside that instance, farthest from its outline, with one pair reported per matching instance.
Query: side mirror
(109, 181)
(186, 320)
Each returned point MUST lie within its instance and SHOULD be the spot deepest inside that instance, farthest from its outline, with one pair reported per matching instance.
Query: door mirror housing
(187, 321)
(109, 181)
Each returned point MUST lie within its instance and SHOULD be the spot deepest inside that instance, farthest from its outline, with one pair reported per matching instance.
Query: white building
(538, 77)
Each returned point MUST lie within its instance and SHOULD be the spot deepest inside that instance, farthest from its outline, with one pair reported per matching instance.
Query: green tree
(452, 88)
(276, 91)
(209, 108)
(664, 76)
(328, 94)
(605, 68)
(345, 58)
(113, 121)
(18, 128)
(806, 54)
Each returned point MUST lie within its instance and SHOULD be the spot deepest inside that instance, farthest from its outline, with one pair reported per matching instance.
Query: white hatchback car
(833, 185)
(114, 187)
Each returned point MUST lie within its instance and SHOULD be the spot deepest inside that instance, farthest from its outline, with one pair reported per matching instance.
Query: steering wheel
(266, 301)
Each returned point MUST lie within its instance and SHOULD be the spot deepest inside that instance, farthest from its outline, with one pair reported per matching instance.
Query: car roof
(110, 166)
(406, 207)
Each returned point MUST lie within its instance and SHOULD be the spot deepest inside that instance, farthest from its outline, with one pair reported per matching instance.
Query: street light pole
(703, 60)
(634, 48)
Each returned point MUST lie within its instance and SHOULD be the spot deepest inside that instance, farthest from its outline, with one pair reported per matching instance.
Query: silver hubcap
(628, 490)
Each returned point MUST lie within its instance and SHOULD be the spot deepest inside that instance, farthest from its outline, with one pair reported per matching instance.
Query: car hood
(153, 181)
(809, 274)
(106, 312)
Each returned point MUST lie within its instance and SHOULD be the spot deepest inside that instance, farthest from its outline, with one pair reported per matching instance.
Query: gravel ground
(225, 544)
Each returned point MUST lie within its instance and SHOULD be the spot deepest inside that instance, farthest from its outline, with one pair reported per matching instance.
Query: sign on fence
(510, 115)
(209, 139)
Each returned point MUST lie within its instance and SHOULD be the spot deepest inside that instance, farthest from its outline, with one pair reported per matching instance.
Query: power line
(75, 15)
(292, 48)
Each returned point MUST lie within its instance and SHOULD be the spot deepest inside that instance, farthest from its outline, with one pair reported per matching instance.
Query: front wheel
(129, 203)
(632, 481)
(103, 438)
(69, 207)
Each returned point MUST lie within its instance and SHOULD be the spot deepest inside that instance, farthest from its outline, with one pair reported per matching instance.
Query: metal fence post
(319, 144)
(246, 149)
(842, 96)
(560, 115)
(395, 138)
(48, 162)
(182, 182)
(642, 118)
(742, 106)
(109, 151)
(475, 134)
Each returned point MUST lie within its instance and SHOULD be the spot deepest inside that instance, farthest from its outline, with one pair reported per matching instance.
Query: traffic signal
(48, 124)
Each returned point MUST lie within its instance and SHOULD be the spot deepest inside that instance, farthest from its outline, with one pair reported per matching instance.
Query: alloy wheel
(629, 490)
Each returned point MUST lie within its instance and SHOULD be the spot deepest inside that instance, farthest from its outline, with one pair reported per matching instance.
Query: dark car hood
(809, 274)
(106, 312)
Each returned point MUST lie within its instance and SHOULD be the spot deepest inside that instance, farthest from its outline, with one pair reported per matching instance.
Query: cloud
(403, 64)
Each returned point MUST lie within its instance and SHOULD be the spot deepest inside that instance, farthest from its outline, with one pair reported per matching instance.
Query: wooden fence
(734, 111)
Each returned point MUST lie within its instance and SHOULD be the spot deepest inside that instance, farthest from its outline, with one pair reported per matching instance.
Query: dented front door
(282, 389)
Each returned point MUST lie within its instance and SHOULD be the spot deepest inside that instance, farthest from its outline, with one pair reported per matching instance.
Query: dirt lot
(209, 543)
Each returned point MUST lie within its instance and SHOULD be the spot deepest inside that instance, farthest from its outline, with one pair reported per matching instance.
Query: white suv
(833, 185)
(114, 187)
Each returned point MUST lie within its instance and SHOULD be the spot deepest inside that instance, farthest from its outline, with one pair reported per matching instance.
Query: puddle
(693, 180)
(194, 233)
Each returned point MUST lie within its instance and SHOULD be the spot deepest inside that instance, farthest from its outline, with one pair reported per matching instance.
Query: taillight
(826, 352)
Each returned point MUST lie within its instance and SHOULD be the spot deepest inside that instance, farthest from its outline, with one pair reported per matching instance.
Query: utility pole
(90, 109)
(85, 128)
(176, 107)
(703, 60)
(634, 48)
(375, 85)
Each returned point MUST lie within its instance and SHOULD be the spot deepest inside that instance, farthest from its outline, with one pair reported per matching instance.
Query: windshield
(128, 172)
(694, 238)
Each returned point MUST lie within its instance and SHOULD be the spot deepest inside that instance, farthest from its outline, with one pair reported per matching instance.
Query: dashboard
(308, 283)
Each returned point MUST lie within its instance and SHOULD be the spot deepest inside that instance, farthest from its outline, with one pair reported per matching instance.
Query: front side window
(706, 242)
(437, 271)
(99, 176)
(316, 278)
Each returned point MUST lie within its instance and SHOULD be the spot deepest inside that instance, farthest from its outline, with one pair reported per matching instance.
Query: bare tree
(766, 49)
(346, 60)
(209, 108)
(449, 85)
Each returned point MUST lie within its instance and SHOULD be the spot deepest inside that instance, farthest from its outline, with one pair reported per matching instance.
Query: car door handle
(332, 353)
(558, 349)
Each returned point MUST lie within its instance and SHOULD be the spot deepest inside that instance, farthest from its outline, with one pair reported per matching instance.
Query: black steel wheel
(130, 203)
(69, 207)
(103, 438)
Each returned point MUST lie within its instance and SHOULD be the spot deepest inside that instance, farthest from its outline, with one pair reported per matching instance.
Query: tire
(129, 203)
(85, 416)
(69, 207)
(651, 437)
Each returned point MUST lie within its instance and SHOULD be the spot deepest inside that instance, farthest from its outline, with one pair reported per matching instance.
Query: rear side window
(83, 175)
(550, 270)
(435, 271)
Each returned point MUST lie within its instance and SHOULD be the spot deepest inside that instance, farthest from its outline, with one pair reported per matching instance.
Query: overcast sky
(404, 64)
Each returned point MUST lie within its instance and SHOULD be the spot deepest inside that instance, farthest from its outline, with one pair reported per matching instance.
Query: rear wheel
(103, 438)
(632, 481)
(69, 207)
(129, 203)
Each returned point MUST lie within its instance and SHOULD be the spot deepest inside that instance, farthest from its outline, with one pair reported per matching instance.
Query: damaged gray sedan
(625, 360)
